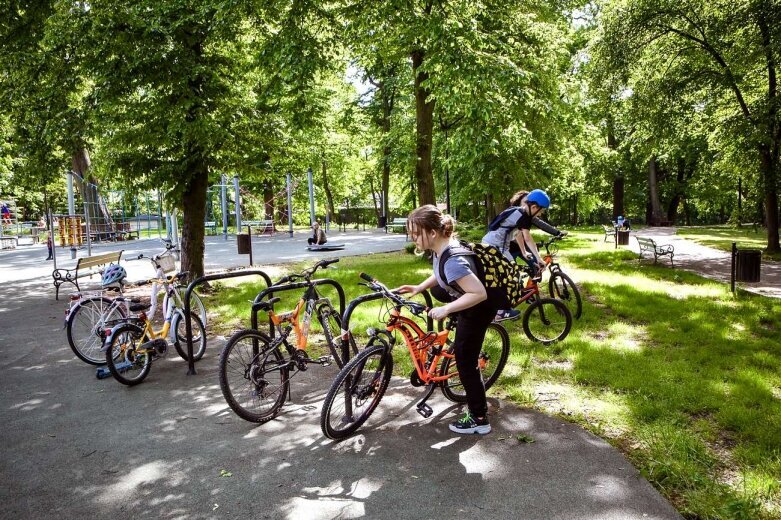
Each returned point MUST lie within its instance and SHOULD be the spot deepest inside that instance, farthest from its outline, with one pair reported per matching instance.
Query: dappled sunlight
(26, 406)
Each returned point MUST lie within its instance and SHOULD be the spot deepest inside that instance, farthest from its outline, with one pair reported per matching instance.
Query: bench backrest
(96, 260)
(400, 221)
(646, 241)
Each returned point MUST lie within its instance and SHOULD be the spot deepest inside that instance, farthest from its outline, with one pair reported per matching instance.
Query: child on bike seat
(512, 228)
(433, 231)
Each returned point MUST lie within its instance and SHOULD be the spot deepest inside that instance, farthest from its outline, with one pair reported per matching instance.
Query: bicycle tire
(180, 336)
(351, 386)
(82, 329)
(196, 304)
(245, 396)
(125, 341)
(553, 315)
(561, 287)
(332, 329)
(493, 357)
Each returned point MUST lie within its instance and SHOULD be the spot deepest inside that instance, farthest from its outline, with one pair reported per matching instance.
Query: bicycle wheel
(130, 364)
(86, 327)
(196, 304)
(356, 391)
(493, 357)
(332, 329)
(547, 321)
(561, 287)
(180, 341)
(253, 376)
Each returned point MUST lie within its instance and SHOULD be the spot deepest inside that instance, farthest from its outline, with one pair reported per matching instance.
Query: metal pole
(224, 205)
(87, 230)
(290, 204)
(51, 237)
(249, 236)
(447, 177)
(311, 196)
(71, 200)
(175, 232)
(238, 201)
(159, 215)
(148, 217)
(732, 267)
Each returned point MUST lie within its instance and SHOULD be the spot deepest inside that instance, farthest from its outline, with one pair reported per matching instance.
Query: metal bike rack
(368, 298)
(289, 287)
(190, 288)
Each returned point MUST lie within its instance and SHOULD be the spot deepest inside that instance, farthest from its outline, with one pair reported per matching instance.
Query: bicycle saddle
(138, 307)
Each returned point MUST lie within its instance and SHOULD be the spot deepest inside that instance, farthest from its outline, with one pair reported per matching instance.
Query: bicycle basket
(167, 264)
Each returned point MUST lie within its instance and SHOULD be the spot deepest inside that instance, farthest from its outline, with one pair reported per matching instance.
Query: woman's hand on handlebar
(411, 290)
(438, 313)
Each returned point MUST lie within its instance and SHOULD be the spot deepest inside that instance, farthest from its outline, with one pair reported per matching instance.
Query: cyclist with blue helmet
(515, 223)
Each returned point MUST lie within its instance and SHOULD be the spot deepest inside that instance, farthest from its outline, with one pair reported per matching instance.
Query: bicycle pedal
(425, 410)
(324, 361)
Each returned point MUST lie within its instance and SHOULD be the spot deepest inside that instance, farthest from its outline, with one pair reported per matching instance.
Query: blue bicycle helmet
(113, 274)
(538, 197)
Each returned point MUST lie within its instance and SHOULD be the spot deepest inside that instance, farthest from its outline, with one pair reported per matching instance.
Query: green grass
(722, 237)
(669, 367)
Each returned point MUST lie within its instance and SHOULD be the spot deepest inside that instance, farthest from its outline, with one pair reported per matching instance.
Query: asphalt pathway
(77, 447)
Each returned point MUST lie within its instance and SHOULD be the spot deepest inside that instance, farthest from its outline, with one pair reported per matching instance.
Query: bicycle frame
(419, 345)
(308, 302)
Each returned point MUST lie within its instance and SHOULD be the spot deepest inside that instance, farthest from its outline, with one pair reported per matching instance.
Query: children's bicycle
(255, 368)
(90, 314)
(361, 384)
(560, 285)
(133, 344)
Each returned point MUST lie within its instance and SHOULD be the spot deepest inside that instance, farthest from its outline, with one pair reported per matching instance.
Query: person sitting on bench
(318, 235)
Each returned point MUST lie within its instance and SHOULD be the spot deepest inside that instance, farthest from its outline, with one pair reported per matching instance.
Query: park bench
(610, 231)
(261, 227)
(648, 244)
(398, 222)
(85, 266)
(8, 242)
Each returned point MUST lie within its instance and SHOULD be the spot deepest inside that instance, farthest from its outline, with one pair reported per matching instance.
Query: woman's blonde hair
(430, 218)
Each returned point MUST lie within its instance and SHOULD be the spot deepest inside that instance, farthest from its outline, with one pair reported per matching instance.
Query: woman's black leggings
(470, 333)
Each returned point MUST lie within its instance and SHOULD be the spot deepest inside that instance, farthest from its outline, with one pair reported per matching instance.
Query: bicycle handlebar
(375, 285)
(306, 274)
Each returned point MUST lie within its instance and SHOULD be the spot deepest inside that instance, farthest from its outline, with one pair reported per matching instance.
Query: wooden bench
(85, 266)
(399, 222)
(647, 244)
(266, 226)
(610, 231)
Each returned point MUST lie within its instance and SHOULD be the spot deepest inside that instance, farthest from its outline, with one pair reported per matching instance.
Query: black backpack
(501, 278)
(496, 223)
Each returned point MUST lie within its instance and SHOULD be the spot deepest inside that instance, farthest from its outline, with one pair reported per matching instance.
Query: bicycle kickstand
(424, 409)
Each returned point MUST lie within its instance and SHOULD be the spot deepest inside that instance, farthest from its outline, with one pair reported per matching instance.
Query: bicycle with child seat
(133, 343)
(560, 285)
(88, 314)
(361, 384)
(255, 368)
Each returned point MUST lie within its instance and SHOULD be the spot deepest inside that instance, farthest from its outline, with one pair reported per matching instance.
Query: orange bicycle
(360, 385)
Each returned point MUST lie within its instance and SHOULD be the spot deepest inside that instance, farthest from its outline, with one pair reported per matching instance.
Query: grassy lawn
(671, 368)
(722, 237)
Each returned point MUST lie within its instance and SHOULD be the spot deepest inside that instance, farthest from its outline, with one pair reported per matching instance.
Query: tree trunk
(575, 210)
(618, 178)
(376, 204)
(193, 217)
(653, 193)
(268, 200)
(672, 208)
(329, 196)
(424, 125)
(769, 165)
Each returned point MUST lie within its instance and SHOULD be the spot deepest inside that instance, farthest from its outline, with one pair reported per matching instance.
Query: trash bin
(243, 241)
(747, 266)
(383, 222)
(622, 237)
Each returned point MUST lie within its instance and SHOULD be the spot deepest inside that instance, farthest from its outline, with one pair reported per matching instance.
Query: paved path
(77, 447)
(709, 262)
